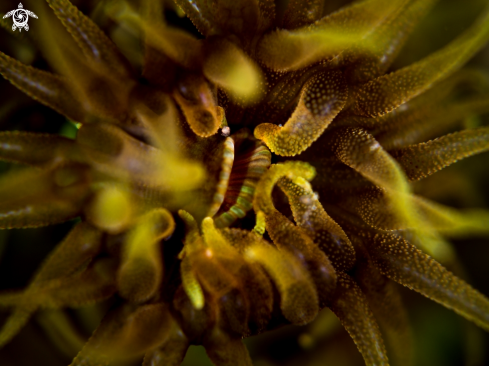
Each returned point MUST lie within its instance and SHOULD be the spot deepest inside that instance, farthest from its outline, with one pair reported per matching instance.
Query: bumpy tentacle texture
(309, 214)
(49, 89)
(442, 152)
(385, 301)
(416, 270)
(351, 307)
(94, 43)
(166, 168)
(388, 92)
(321, 99)
(300, 13)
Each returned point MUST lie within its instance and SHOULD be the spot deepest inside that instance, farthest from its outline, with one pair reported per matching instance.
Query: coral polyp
(245, 180)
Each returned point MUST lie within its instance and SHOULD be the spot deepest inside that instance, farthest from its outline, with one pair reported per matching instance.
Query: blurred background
(442, 338)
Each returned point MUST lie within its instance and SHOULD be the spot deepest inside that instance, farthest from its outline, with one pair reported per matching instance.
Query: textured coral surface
(203, 172)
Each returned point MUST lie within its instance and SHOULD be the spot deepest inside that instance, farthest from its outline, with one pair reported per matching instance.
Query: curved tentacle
(359, 150)
(298, 297)
(141, 271)
(288, 237)
(321, 99)
(227, 163)
(194, 96)
(310, 215)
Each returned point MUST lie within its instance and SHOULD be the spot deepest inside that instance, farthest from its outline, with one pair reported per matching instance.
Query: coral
(245, 180)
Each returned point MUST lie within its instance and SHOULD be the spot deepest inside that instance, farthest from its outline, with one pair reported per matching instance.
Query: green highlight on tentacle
(452, 222)
(359, 150)
(191, 285)
(112, 151)
(386, 41)
(390, 206)
(193, 243)
(178, 46)
(230, 68)
(291, 169)
(327, 38)
(388, 92)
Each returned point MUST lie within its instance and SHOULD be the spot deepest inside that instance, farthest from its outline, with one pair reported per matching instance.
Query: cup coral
(244, 180)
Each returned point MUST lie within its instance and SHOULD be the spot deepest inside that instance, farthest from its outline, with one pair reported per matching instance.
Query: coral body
(186, 222)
